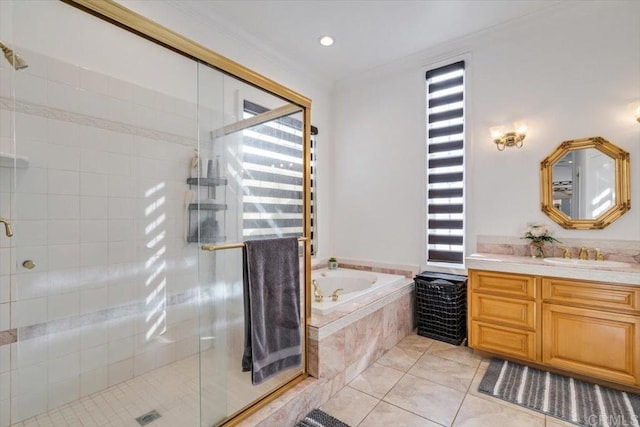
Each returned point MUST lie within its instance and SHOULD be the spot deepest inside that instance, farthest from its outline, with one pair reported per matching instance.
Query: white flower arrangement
(540, 233)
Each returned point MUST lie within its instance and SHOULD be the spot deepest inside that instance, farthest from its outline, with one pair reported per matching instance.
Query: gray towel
(271, 276)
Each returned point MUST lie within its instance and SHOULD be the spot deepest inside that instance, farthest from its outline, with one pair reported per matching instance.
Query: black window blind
(273, 204)
(445, 164)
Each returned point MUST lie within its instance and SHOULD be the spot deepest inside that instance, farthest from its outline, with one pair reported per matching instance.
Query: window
(273, 178)
(445, 164)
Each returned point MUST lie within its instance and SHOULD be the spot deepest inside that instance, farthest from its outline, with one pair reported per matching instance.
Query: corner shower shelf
(204, 222)
(8, 160)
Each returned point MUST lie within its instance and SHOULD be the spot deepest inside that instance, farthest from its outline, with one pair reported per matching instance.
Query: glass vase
(537, 249)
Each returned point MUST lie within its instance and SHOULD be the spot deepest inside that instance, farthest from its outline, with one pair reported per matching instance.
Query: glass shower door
(255, 146)
(208, 211)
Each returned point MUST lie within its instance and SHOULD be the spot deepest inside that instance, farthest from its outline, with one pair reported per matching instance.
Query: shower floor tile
(172, 390)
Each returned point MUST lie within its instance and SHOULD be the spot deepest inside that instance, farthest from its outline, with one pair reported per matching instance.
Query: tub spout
(334, 294)
(316, 291)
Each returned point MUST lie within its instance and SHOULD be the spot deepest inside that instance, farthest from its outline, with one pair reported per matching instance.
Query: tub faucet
(7, 227)
(334, 294)
(316, 291)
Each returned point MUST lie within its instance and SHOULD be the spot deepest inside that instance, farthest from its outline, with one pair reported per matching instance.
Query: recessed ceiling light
(326, 41)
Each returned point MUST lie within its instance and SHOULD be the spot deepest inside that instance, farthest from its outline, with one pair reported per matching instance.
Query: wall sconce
(637, 112)
(509, 139)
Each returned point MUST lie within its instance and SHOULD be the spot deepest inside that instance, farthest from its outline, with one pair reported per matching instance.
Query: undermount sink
(586, 263)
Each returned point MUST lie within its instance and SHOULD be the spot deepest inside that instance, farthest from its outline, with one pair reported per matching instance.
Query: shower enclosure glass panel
(107, 312)
(255, 146)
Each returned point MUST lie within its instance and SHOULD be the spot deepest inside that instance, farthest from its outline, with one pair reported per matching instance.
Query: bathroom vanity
(584, 321)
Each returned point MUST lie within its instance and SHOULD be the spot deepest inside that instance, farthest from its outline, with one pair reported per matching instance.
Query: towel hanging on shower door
(271, 278)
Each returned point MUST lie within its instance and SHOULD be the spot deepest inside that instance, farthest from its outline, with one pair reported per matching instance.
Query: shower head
(13, 58)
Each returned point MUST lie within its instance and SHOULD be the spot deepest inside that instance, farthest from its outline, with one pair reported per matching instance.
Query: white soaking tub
(356, 285)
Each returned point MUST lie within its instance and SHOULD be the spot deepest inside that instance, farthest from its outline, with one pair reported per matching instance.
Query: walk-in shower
(110, 311)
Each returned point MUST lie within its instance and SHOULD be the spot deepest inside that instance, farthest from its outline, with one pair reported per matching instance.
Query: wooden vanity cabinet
(592, 329)
(591, 342)
(588, 328)
(503, 314)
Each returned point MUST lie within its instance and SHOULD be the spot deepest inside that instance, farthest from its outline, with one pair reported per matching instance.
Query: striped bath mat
(572, 400)
(318, 418)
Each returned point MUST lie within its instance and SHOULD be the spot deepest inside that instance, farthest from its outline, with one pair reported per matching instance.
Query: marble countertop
(533, 266)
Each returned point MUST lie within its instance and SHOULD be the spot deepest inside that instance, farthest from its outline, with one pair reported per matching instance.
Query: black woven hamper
(441, 305)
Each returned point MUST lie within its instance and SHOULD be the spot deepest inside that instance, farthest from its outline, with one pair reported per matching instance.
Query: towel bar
(235, 245)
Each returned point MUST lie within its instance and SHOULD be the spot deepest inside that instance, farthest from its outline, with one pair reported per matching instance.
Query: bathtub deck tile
(312, 356)
(331, 357)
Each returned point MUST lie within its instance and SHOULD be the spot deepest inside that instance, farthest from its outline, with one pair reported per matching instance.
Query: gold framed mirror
(585, 183)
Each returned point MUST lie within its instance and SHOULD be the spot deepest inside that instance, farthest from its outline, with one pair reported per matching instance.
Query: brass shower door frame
(119, 15)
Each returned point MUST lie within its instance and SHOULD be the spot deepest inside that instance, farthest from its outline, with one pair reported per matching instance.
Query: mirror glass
(584, 183)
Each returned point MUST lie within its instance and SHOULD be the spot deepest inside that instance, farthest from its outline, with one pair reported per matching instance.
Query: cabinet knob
(28, 264)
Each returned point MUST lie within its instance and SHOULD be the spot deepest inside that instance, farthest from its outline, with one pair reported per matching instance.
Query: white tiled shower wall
(100, 209)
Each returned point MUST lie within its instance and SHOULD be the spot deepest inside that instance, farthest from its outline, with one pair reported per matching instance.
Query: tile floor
(426, 383)
(418, 383)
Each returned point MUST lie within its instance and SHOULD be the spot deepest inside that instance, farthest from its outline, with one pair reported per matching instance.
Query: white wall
(569, 72)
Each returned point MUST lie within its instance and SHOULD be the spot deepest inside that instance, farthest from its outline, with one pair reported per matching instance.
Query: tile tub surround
(538, 267)
(615, 250)
(345, 346)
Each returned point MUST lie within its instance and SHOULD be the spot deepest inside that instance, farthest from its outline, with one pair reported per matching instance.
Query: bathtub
(356, 286)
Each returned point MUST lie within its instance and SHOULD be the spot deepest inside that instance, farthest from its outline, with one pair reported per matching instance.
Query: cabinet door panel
(503, 340)
(596, 295)
(592, 342)
(508, 311)
(506, 284)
